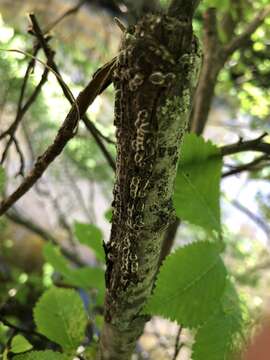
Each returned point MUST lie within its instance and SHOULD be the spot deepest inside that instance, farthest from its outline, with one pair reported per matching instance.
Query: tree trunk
(155, 77)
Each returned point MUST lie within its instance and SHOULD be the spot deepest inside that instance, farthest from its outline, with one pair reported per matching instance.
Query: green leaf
(221, 336)
(192, 296)
(88, 278)
(197, 186)
(90, 352)
(214, 339)
(84, 277)
(43, 355)
(53, 255)
(108, 215)
(20, 344)
(91, 236)
(60, 316)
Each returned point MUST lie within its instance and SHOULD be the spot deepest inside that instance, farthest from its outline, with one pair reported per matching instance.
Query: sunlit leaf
(60, 316)
(197, 185)
(190, 285)
(91, 236)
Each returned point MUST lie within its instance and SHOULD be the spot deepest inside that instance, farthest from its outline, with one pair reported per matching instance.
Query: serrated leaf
(60, 316)
(43, 355)
(20, 344)
(197, 185)
(84, 277)
(190, 285)
(219, 337)
(214, 340)
(91, 236)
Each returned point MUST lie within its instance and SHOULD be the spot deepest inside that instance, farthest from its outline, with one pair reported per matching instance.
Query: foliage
(197, 194)
(42, 355)
(91, 236)
(195, 295)
(220, 336)
(20, 344)
(193, 286)
(84, 277)
(60, 316)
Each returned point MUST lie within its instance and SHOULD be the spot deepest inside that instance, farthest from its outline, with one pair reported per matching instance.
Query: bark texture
(155, 76)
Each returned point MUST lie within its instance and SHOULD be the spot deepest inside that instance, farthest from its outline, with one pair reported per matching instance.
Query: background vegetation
(51, 239)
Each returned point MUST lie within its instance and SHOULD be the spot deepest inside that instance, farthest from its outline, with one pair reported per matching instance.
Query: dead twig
(89, 125)
(177, 346)
(65, 133)
(254, 165)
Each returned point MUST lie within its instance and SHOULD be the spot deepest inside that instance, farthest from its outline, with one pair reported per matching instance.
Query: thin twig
(67, 13)
(255, 218)
(65, 133)
(254, 165)
(22, 330)
(177, 346)
(249, 145)
(241, 40)
(21, 156)
(22, 109)
(30, 225)
(89, 125)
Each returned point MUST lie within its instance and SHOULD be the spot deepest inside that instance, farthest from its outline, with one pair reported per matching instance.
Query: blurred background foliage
(78, 186)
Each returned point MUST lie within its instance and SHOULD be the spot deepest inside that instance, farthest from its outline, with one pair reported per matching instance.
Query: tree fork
(155, 76)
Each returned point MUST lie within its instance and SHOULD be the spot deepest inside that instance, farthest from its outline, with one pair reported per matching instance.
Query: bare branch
(21, 156)
(69, 12)
(30, 225)
(254, 217)
(241, 40)
(89, 125)
(95, 133)
(22, 330)
(65, 133)
(254, 165)
(177, 346)
(22, 109)
(250, 145)
(212, 64)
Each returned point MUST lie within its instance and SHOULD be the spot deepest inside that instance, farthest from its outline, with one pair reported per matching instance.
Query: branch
(250, 145)
(142, 206)
(251, 166)
(69, 12)
(65, 133)
(22, 109)
(21, 156)
(22, 330)
(241, 40)
(255, 218)
(212, 64)
(177, 346)
(89, 125)
(15, 217)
